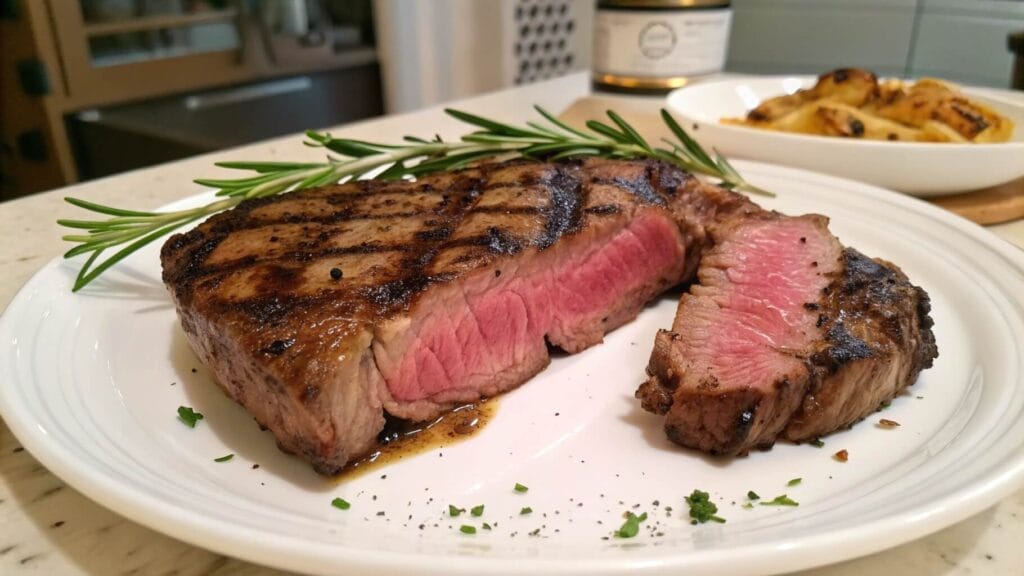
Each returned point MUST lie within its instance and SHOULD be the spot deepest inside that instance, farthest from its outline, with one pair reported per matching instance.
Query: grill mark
(397, 291)
(338, 217)
(342, 216)
(604, 209)
(565, 216)
(495, 238)
(645, 188)
(195, 259)
(466, 194)
(671, 178)
(277, 279)
(337, 198)
(641, 187)
(565, 213)
(400, 292)
(273, 310)
(460, 195)
(511, 210)
(365, 189)
(231, 266)
(335, 195)
(516, 185)
(434, 234)
(499, 241)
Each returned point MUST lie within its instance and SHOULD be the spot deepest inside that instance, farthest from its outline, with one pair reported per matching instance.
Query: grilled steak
(787, 334)
(321, 309)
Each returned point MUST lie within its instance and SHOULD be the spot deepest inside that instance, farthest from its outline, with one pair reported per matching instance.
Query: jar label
(660, 43)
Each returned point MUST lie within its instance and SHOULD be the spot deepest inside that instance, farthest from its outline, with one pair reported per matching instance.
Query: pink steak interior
(751, 317)
(492, 326)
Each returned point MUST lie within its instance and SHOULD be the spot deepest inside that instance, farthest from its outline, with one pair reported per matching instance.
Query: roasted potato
(847, 86)
(829, 118)
(852, 103)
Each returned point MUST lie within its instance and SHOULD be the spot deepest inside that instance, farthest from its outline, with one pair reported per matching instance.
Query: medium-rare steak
(787, 334)
(321, 309)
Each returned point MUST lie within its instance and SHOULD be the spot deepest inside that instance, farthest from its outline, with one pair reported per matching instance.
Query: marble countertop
(48, 528)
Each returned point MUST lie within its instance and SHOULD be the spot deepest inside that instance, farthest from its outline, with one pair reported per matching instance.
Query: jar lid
(663, 3)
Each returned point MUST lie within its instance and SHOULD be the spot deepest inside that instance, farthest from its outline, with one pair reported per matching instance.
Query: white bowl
(919, 169)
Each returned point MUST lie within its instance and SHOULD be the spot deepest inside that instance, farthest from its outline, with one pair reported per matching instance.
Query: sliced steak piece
(878, 338)
(320, 309)
(733, 370)
(787, 334)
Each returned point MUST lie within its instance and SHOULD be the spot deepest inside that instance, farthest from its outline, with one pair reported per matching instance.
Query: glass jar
(653, 46)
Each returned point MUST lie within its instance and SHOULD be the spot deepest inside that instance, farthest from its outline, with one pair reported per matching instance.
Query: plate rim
(264, 546)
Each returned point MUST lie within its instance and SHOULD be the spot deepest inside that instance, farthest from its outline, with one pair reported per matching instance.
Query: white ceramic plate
(920, 169)
(91, 382)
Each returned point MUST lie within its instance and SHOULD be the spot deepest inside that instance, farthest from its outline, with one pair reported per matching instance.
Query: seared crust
(877, 339)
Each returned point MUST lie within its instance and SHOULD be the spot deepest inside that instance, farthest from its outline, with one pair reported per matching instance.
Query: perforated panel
(547, 40)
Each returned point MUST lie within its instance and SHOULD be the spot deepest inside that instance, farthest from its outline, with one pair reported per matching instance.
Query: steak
(321, 310)
(787, 335)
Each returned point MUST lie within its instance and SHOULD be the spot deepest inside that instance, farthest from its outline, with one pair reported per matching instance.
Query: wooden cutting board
(995, 205)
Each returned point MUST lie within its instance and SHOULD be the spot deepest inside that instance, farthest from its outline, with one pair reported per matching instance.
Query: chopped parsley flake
(817, 443)
(453, 511)
(189, 416)
(520, 488)
(782, 500)
(631, 527)
(794, 481)
(748, 505)
(467, 529)
(884, 405)
(477, 510)
(751, 495)
(525, 510)
(486, 526)
(341, 504)
(702, 509)
(224, 458)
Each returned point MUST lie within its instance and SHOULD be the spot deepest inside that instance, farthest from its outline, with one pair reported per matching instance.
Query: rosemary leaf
(549, 139)
(486, 124)
(608, 131)
(265, 167)
(629, 131)
(551, 118)
(689, 143)
(93, 207)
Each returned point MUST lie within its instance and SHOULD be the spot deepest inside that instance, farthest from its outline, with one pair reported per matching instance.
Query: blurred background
(90, 88)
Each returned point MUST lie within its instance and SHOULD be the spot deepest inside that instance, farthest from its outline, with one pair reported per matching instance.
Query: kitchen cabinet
(72, 60)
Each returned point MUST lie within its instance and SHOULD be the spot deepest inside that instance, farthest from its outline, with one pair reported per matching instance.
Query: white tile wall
(966, 40)
(963, 40)
(814, 36)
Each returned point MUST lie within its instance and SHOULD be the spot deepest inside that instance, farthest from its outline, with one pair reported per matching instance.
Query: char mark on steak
(321, 309)
(787, 334)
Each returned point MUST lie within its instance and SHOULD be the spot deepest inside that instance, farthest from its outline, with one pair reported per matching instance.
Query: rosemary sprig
(352, 159)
